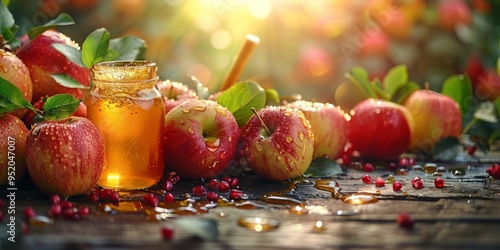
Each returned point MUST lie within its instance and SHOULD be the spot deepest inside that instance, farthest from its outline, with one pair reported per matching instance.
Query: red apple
(42, 60)
(29, 117)
(283, 148)
(374, 43)
(65, 157)
(13, 135)
(13, 70)
(487, 86)
(201, 138)
(380, 130)
(452, 13)
(329, 126)
(436, 116)
(175, 93)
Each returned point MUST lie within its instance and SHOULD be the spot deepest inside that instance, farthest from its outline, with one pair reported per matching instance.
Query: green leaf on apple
(60, 106)
(272, 97)
(242, 96)
(359, 77)
(11, 98)
(68, 81)
(396, 78)
(62, 19)
(323, 167)
(72, 53)
(403, 92)
(446, 149)
(486, 112)
(95, 47)
(128, 48)
(459, 88)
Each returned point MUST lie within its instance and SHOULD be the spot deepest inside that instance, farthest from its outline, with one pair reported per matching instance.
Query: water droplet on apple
(185, 111)
(220, 110)
(212, 145)
(301, 135)
(199, 108)
(223, 154)
(304, 121)
(181, 121)
(287, 113)
(230, 138)
(190, 130)
(282, 152)
(259, 146)
(288, 138)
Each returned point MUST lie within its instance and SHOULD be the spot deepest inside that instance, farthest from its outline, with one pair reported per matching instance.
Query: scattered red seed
(213, 184)
(55, 199)
(346, 160)
(114, 197)
(418, 184)
(168, 185)
(66, 204)
(379, 182)
(94, 197)
(29, 212)
(367, 179)
(234, 182)
(169, 197)
(392, 166)
(416, 178)
(439, 182)
(235, 194)
(223, 186)
(471, 150)
(150, 200)
(494, 171)
(199, 191)
(26, 229)
(396, 186)
(55, 210)
(84, 211)
(106, 194)
(69, 214)
(212, 196)
(403, 162)
(167, 233)
(226, 178)
(404, 220)
(368, 167)
(411, 161)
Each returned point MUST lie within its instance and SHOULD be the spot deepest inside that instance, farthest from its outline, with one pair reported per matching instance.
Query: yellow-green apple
(380, 130)
(329, 126)
(452, 13)
(436, 116)
(42, 60)
(278, 143)
(201, 138)
(175, 93)
(13, 70)
(13, 135)
(29, 117)
(65, 157)
(487, 86)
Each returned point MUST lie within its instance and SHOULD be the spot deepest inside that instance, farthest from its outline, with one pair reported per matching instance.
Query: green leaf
(68, 81)
(403, 92)
(494, 136)
(242, 96)
(7, 34)
(72, 53)
(95, 47)
(193, 83)
(129, 48)
(11, 98)
(111, 55)
(359, 77)
(6, 18)
(60, 106)
(446, 149)
(487, 112)
(323, 167)
(62, 19)
(459, 88)
(379, 90)
(396, 78)
(272, 97)
(497, 105)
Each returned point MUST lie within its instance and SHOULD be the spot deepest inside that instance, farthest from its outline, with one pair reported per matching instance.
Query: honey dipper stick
(241, 60)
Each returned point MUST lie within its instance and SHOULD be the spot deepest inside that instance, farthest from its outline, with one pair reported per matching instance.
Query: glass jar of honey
(128, 109)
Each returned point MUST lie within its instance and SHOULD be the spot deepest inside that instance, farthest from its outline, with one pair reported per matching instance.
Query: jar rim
(124, 64)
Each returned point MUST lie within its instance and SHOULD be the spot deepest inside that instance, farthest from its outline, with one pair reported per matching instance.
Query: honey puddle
(354, 198)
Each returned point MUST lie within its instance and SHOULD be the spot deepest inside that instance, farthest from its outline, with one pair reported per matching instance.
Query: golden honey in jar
(128, 109)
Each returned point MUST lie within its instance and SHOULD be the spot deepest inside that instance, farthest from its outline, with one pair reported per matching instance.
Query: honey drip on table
(354, 198)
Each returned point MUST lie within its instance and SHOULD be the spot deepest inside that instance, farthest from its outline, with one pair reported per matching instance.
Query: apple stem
(426, 85)
(260, 119)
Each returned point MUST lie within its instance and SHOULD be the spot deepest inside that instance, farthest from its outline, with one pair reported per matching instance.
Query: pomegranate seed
(368, 167)
(150, 200)
(403, 162)
(212, 196)
(29, 212)
(69, 213)
(213, 184)
(494, 171)
(379, 182)
(168, 185)
(66, 204)
(234, 182)
(106, 194)
(84, 211)
(396, 186)
(223, 186)
(367, 179)
(2, 203)
(199, 191)
(235, 194)
(169, 197)
(94, 197)
(226, 178)
(392, 166)
(411, 161)
(415, 179)
(418, 184)
(404, 220)
(25, 228)
(346, 160)
(55, 199)
(439, 182)
(55, 210)
(167, 233)
(471, 150)
(114, 197)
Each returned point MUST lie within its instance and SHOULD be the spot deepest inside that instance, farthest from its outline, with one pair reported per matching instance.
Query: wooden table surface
(464, 214)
